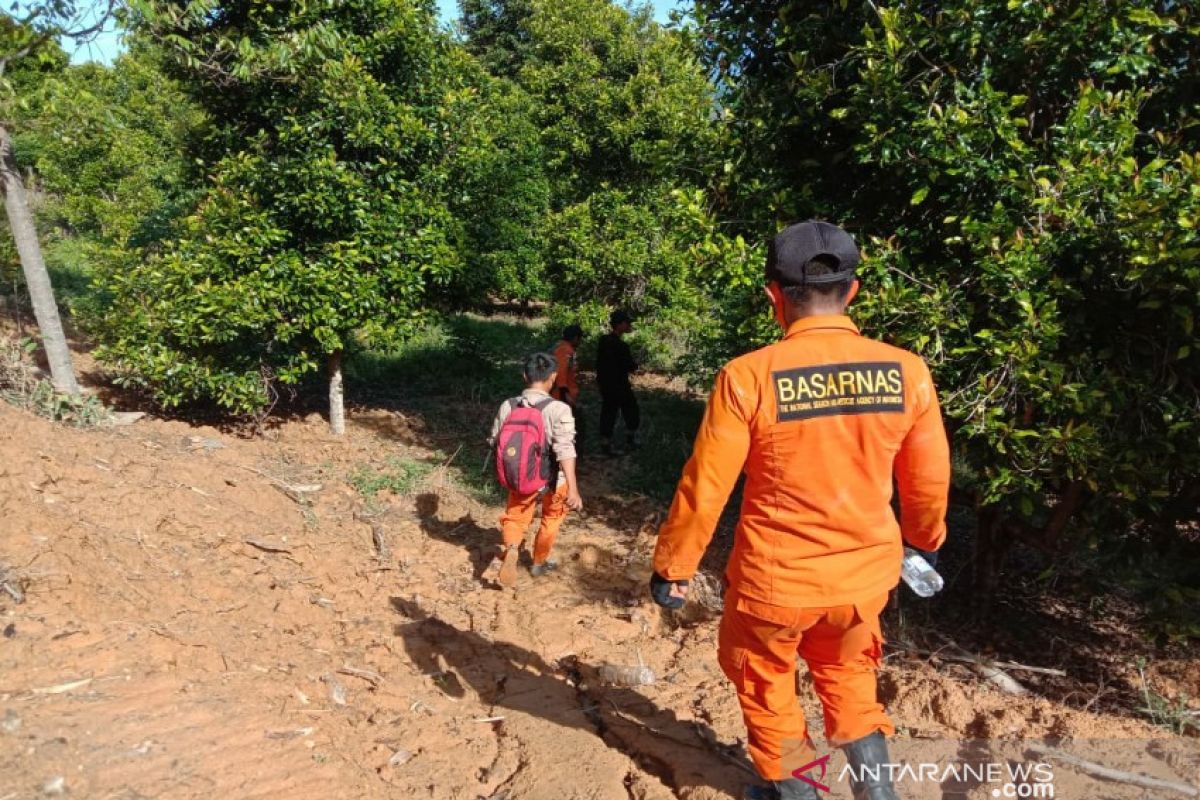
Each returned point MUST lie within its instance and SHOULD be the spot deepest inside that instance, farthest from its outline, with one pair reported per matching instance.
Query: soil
(208, 616)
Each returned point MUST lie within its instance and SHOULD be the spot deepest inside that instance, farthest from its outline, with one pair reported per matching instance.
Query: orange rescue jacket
(568, 372)
(821, 422)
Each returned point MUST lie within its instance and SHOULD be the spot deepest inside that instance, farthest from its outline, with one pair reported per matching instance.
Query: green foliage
(497, 33)
(107, 148)
(615, 250)
(1024, 181)
(326, 221)
(622, 102)
(500, 193)
(623, 112)
(28, 45)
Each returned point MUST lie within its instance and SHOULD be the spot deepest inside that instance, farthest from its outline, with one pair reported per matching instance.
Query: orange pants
(842, 646)
(519, 514)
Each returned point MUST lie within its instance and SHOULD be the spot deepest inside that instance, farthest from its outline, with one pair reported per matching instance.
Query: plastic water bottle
(622, 675)
(920, 577)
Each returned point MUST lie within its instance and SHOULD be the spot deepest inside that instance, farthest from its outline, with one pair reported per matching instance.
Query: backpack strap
(553, 460)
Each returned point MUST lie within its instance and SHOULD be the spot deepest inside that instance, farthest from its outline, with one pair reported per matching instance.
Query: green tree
(621, 101)
(625, 114)
(107, 146)
(31, 35)
(326, 222)
(1024, 179)
(497, 33)
(498, 191)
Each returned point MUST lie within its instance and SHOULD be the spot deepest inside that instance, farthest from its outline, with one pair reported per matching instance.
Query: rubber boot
(791, 789)
(865, 756)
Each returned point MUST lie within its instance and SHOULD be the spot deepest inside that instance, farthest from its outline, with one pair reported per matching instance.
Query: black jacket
(614, 364)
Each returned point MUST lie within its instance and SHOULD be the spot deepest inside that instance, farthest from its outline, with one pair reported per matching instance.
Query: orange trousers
(519, 513)
(758, 646)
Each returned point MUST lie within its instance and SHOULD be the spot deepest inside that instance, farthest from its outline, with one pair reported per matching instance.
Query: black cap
(796, 245)
(619, 316)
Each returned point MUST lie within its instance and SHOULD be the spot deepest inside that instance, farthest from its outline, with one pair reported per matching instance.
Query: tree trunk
(41, 293)
(337, 408)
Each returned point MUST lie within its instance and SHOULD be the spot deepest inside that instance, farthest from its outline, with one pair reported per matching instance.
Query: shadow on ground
(681, 753)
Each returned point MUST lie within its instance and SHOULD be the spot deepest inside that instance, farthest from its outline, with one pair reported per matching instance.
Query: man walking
(821, 422)
(614, 365)
(558, 489)
(566, 382)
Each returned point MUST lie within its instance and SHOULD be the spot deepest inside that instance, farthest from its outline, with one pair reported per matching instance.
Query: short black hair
(539, 367)
(803, 293)
(572, 332)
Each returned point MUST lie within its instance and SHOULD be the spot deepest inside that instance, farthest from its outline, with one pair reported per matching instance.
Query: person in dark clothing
(614, 365)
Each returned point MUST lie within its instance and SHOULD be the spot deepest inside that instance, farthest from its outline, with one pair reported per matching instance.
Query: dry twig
(967, 658)
(1116, 775)
(269, 547)
(368, 675)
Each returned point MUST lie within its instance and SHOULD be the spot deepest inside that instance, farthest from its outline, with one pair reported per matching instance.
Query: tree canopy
(1024, 179)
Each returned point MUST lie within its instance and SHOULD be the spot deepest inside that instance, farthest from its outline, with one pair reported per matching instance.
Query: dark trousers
(617, 400)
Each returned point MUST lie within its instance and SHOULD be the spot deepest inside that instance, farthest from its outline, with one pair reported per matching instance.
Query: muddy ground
(211, 616)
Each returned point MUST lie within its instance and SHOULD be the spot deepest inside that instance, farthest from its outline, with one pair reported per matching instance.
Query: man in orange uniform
(566, 383)
(821, 422)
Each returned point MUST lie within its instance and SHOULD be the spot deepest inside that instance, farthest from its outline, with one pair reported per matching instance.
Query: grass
(456, 373)
(1174, 715)
(669, 424)
(400, 476)
(452, 377)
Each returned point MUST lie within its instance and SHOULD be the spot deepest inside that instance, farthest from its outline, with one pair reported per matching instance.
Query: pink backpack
(524, 460)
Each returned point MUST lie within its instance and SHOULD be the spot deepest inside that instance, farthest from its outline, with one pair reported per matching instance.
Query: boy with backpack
(534, 440)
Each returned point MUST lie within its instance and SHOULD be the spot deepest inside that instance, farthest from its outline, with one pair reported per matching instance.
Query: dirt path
(190, 630)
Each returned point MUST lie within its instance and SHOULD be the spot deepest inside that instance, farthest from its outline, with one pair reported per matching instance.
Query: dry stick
(1110, 774)
(989, 672)
(12, 591)
(62, 687)
(293, 491)
(380, 540)
(267, 546)
(366, 674)
(970, 659)
(1002, 679)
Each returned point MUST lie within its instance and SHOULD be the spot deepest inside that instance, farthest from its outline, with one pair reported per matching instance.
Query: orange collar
(824, 323)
